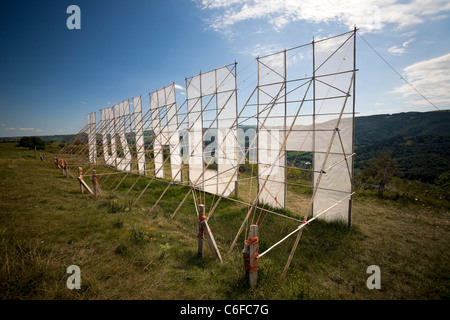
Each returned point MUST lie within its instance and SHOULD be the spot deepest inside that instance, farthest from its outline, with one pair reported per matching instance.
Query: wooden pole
(252, 266)
(94, 183)
(236, 189)
(80, 177)
(86, 186)
(62, 166)
(205, 231)
(201, 216)
(66, 169)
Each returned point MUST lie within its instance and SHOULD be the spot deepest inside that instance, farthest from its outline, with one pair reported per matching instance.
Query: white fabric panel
(227, 144)
(126, 163)
(165, 123)
(116, 123)
(301, 136)
(221, 83)
(155, 110)
(271, 168)
(271, 128)
(336, 180)
(208, 82)
(106, 119)
(175, 156)
(92, 140)
(195, 126)
(173, 136)
(139, 132)
(113, 136)
(210, 181)
(333, 56)
(120, 111)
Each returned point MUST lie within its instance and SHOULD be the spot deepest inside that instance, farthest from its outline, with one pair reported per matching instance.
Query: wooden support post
(94, 183)
(246, 257)
(85, 186)
(66, 169)
(236, 189)
(62, 166)
(201, 216)
(80, 178)
(205, 231)
(251, 256)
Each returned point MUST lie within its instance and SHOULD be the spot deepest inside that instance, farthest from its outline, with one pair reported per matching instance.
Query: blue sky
(51, 77)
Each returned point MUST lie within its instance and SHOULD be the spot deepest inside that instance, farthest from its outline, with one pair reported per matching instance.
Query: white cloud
(260, 50)
(407, 43)
(431, 78)
(27, 129)
(177, 86)
(10, 128)
(398, 51)
(369, 15)
(83, 102)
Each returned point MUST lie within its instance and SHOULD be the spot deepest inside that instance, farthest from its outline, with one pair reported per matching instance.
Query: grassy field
(125, 252)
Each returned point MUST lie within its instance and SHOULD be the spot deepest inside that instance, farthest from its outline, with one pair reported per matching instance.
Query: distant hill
(61, 138)
(422, 157)
(368, 129)
(419, 141)
(376, 128)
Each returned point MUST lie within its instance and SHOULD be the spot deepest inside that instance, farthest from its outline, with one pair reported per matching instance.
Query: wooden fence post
(251, 256)
(62, 166)
(83, 184)
(80, 177)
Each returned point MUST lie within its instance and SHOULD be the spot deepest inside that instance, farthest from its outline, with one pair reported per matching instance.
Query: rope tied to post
(94, 179)
(252, 267)
(201, 233)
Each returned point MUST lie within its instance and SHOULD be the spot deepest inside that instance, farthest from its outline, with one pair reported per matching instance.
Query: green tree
(32, 142)
(443, 180)
(381, 170)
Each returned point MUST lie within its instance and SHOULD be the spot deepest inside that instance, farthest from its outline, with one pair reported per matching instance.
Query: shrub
(31, 142)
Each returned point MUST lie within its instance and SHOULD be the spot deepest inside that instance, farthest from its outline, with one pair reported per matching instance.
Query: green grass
(125, 252)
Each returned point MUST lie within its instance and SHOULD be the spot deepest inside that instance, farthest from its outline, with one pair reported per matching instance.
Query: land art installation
(297, 121)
